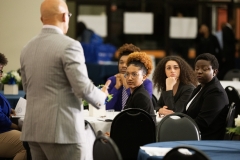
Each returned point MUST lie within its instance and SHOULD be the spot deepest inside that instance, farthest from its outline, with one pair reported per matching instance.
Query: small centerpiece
(235, 130)
(93, 112)
(11, 80)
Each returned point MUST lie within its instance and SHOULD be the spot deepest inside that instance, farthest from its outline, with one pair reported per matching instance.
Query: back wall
(19, 23)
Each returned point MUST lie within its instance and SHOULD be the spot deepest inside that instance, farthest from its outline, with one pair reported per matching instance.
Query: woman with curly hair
(176, 80)
(139, 66)
(10, 144)
(118, 86)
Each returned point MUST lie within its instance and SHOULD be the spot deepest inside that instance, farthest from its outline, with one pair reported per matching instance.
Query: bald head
(54, 12)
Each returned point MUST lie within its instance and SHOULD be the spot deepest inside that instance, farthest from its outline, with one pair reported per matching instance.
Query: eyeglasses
(69, 15)
(134, 75)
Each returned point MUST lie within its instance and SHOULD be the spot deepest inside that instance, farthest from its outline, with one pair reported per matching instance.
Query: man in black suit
(229, 48)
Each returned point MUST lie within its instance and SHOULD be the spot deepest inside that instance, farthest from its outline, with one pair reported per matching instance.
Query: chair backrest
(230, 120)
(233, 96)
(90, 138)
(185, 153)
(154, 101)
(131, 129)
(104, 148)
(230, 115)
(231, 74)
(177, 126)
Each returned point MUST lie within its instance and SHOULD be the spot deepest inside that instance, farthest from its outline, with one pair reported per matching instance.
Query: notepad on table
(20, 108)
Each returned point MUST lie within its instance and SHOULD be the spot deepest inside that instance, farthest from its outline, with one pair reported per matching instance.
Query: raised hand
(170, 82)
(118, 81)
(123, 79)
(105, 87)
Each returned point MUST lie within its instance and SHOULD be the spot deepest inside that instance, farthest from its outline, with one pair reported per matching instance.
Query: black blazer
(209, 110)
(177, 102)
(209, 45)
(140, 99)
(229, 42)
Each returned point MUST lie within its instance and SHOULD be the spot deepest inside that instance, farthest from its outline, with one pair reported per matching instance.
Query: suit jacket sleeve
(76, 72)
(209, 109)
(160, 103)
(5, 109)
(141, 101)
(5, 122)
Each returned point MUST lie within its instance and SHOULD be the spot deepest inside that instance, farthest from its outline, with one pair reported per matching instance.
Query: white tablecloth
(97, 123)
(235, 84)
(100, 124)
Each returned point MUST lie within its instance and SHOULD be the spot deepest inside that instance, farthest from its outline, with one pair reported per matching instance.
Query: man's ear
(64, 17)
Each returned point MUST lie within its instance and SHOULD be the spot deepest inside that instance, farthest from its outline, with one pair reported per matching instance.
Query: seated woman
(208, 102)
(10, 144)
(175, 79)
(139, 66)
(118, 86)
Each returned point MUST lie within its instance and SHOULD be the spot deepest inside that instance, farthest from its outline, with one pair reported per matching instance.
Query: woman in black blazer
(208, 102)
(175, 79)
(139, 66)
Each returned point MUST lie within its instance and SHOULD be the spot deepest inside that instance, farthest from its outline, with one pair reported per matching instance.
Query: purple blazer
(5, 109)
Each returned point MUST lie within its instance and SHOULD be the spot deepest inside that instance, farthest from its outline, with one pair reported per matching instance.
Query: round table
(215, 150)
(96, 122)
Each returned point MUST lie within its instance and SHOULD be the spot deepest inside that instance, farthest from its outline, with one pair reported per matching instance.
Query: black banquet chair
(177, 126)
(231, 74)
(154, 101)
(91, 137)
(230, 120)
(233, 96)
(191, 154)
(104, 148)
(131, 129)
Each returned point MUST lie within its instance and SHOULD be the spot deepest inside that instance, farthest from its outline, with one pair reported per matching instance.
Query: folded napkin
(157, 151)
(105, 119)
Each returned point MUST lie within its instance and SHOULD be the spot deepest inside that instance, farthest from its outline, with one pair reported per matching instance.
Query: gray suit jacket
(55, 78)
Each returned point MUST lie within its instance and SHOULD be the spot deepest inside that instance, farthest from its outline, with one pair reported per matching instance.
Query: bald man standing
(55, 78)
